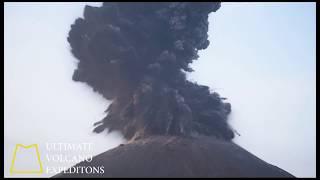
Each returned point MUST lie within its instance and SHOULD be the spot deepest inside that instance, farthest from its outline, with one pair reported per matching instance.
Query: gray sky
(261, 57)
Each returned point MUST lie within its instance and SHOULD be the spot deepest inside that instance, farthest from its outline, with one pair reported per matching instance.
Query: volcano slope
(176, 156)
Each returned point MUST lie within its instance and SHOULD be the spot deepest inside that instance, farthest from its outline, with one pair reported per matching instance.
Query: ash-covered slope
(175, 156)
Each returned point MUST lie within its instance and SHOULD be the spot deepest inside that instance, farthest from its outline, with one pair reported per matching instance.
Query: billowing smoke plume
(137, 54)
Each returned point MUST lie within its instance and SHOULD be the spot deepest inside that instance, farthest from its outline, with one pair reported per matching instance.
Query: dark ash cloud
(137, 54)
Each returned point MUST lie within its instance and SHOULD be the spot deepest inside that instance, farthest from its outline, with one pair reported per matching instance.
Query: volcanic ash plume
(137, 54)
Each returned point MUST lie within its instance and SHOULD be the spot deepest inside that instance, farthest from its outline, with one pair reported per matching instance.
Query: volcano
(175, 156)
(137, 55)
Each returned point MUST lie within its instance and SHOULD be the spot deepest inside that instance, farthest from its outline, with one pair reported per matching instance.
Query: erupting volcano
(137, 55)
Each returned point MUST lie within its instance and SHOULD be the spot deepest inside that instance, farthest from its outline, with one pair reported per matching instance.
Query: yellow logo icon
(13, 169)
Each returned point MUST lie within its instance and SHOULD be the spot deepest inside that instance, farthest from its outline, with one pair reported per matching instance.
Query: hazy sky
(261, 57)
